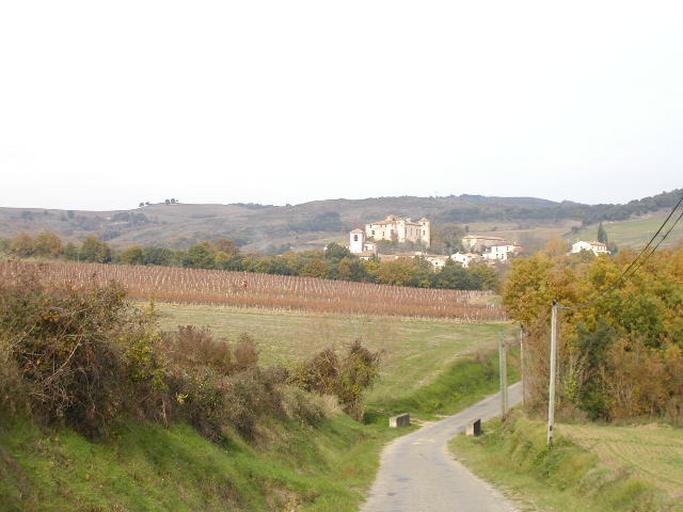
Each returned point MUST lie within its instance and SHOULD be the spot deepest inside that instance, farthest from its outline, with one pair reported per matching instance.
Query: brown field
(194, 286)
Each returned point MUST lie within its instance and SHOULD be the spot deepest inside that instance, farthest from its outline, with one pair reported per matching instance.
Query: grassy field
(633, 233)
(590, 468)
(653, 453)
(415, 351)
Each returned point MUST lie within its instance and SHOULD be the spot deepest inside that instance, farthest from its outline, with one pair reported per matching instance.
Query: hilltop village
(394, 232)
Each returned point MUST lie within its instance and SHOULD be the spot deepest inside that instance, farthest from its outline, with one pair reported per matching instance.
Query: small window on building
(355, 238)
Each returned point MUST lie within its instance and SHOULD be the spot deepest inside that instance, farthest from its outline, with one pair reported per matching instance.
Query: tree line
(335, 262)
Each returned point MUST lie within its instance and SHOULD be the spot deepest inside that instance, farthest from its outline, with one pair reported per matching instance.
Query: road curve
(418, 474)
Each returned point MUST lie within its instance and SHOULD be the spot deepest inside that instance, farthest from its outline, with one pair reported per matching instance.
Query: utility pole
(503, 371)
(521, 362)
(553, 372)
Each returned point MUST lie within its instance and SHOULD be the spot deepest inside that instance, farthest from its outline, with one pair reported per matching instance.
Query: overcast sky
(106, 104)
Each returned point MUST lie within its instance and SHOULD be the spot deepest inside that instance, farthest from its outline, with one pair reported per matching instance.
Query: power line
(658, 244)
(653, 237)
(624, 275)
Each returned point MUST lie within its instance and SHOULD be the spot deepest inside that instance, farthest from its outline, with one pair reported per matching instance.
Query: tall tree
(602, 234)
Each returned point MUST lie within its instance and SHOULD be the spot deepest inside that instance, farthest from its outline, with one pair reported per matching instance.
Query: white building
(438, 262)
(596, 248)
(500, 252)
(400, 229)
(360, 246)
(465, 259)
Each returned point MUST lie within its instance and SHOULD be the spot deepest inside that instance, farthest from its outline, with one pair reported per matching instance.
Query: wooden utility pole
(503, 371)
(521, 362)
(553, 373)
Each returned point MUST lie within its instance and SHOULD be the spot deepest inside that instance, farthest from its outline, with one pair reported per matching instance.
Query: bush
(347, 379)
(252, 394)
(191, 346)
(245, 353)
(308, 408)
(12, 389)
(63, 343)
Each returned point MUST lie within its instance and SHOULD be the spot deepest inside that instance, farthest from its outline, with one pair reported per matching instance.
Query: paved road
(418, 474)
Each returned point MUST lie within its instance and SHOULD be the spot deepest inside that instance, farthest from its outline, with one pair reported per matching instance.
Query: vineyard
(173, 284)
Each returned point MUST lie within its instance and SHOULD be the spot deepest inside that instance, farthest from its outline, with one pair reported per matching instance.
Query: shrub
(12, 389)
(359, 371)
(146, 370)
(63, 342)
(251, 395)
(309, 408)
(199, 399)
(347, 379)
(192, 346)
(245, 353)
(319, 374)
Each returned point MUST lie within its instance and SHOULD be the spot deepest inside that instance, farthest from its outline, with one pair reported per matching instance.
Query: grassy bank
(148, 467)
(144, 466)
(567, 478)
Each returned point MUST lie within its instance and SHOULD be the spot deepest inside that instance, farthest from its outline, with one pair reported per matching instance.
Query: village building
(491, 248)
(400, 229)
(438, 262)
(465, 259)
(500, 252)
(596, 248)
(359, 246)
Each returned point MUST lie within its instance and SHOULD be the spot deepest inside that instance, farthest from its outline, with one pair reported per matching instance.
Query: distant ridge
(311, 225)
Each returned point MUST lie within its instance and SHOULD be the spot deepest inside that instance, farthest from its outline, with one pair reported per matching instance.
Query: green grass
(147, 467)
(567, 478)
(464, 383)
(653, 453)
(415, 351)
(633, 233)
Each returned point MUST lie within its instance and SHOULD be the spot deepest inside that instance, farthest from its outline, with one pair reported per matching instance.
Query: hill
(310, 225)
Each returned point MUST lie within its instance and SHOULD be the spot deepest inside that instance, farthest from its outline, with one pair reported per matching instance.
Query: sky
(106, 104)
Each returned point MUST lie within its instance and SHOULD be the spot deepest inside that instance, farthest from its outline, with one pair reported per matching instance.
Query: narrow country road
(418, 474)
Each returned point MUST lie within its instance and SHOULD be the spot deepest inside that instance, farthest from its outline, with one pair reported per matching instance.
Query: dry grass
(171, 284)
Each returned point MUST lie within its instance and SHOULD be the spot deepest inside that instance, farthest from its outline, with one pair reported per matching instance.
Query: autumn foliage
(621, 339)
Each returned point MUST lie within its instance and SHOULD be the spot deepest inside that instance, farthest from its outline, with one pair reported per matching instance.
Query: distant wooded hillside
(278, 228)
